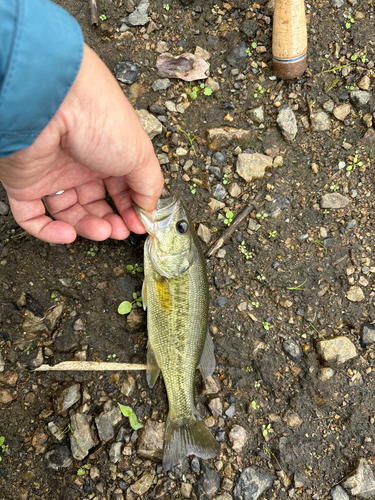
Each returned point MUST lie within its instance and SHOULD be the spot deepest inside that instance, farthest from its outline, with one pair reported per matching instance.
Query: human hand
(94, 142)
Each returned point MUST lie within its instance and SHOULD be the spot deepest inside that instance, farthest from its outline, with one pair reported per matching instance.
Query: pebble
(128, 386)
(221, 301)
(106, 421)
(139, 17)
(216, 407)
(230, 412)
(219, 192)
(338, 350)
(212, 84)
(326, 373)
(55, 431)
(161, 47)
(299, 480)
(252, 166)
(143, 484)
(362, 482)
(287, 122)
(211, 385)
(81, 439)
(280, 203)
(334, 200)
(219, 157)
(171, 106)
(79, 325)
(8, 378)
(238, 437)
(292, 419)
(234, 190)
(151, 441)
(221, 138)
(329, 105)
(338, 493)
(127, 72)
(150, 123)
(359, 97)
(186, 489)
(251, 484)
(65, 397)
(208, 483)
(215, 205)
(181, 152)
(204, 233)
(342, 111)
(204, 54)
(364, 83)
(239, 52)
(292, 349)
(355, 294)
(161, 84)
(216, 172)
(367, 335)
(257, 114)
(253, 225)
(4, 208)
(58, 458)
(322, 121)
(195, 465)
(5, 396)
(115, 452)
(135, 319)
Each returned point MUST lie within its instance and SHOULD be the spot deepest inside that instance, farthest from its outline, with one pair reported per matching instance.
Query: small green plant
(254, 405)
(257, 384)
(313, 327)
(354, 163)
(225, 179)
(266, 325)
(3, 447)
(91, 252)
(229, 216)
(321, 245)
(259, 90)
(166, 6)
(269, 453)
(349, 22)
(248, 369)
(193, 93)
(53, 296)
(216, 7)
(193, 189)
(242, 248)
(334, 188)
(190, 139)
(272, 234)
(261, 215)
(255, 304)
(111, 356)
(349, 87)
(266, 429)
(81, 470)
(261, 277)
(336, 68)
(103, 17)
(126, 306)
(128, 412)
(298, 287)
(333, 84)
(248, 52)
(134, 269)
(27, 350)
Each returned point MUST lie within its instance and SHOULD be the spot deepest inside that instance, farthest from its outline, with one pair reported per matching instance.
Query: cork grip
(289, 39)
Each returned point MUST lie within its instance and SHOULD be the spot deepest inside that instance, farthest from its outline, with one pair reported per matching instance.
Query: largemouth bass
(175, 293)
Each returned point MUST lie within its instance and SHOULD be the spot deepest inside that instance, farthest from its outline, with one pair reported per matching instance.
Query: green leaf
(135, 296)
(229, 215)
(2, 439)
(124, 308)
(129, 267)
(202, 85)
(139, 269)
(207, 91)
(125, 410)
(254, 45)
(134, 422)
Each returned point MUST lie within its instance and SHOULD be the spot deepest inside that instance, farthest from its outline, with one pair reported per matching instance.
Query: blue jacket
(41, 49)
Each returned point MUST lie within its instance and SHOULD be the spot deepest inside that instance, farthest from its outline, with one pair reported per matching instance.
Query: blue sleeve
(41, 49)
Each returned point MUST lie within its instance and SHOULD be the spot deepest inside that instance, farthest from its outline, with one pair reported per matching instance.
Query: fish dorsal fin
(144, 295)
(153, 369)
(207, 363)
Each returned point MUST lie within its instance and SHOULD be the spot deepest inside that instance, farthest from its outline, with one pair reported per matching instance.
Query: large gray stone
(287, 122)
(362, 482)
(251, 484)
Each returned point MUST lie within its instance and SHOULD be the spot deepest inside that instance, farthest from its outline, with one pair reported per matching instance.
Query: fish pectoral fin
(144, 295)
(207, 362)
(153, 369)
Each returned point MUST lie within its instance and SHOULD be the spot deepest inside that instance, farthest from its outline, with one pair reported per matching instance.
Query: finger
(30, 215)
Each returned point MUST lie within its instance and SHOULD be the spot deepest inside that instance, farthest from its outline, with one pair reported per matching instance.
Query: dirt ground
(294, 285)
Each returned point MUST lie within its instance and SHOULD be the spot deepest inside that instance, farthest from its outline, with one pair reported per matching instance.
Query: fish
(175, 295)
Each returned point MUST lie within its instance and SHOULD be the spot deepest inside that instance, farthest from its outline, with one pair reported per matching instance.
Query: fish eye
(182, 226)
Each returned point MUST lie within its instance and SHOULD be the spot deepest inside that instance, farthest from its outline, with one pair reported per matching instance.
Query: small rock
(278, 161)
(161, 84)
(337, 3)
(216, 172)
(139, 17)
(360, 98)
(181, 152)
(4, 208)
(2, 363)
(252, 166)
(204, 233)
(188, 67)
(219, 192)
(171, 106)
(253, 225)
(81, 439)
(115, 452)
(182, 107)
(329, 105)
(186, 489)
(208, 483)
(238, 437)
(355, 294)
(204, 54)
(292, 419)
(215, 205)
(364, 83)
(334, 200)
(369, 139)
(33, 325)
(65, 397)
(221, 301)
(280, 203)
(151, 441)
(143, 484)
(150, 123)
(322, 121)
(219, 157)
(367, 335)
(212, 84)
(339, 349)
(127, 72)
(216, 407)
(135, 319)
(271, 142)
(79, 325)
(338, 493)
(221, 138)
(161, 47)
(212, 386)
(128, 386)
(362, 482)
(230, 412)
(251, 484)
(234, 190)
(342, 111)
(287, 122)
(106, 421)
(292, 349)
(257, 114)
(195, 465)
(55, 431)
(5, 396)
(326, 373)
(58, 458)
(299, 480)
(8, 378)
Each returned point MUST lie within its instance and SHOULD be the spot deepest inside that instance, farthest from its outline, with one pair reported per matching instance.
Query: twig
(311, 114)
(94, 13)
(352, 257)
(238, 220)
(93, 366)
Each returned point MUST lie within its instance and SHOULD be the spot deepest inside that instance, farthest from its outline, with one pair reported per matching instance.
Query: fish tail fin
(191, 437)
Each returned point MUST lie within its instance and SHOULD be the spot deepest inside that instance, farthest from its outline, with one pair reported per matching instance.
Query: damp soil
(294, 285)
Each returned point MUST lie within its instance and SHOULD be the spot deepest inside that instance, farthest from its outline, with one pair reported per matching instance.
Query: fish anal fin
(189, 438)
(207, 362)
(153, 369)
(144, 295)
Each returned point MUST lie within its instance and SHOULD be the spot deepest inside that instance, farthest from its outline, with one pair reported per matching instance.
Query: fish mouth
(161, 217)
